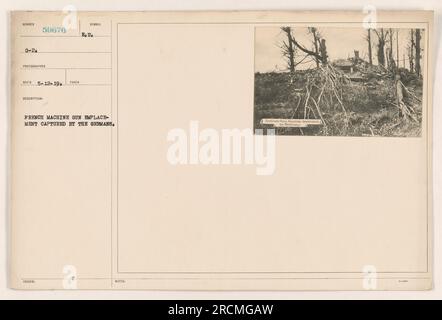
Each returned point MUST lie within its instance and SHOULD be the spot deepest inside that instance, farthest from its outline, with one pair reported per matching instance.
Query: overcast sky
(340, 42)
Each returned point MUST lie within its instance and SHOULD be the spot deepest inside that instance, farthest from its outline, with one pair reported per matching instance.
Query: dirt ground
(370, 108)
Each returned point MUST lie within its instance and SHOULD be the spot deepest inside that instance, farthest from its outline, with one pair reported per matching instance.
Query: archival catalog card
(221, 150)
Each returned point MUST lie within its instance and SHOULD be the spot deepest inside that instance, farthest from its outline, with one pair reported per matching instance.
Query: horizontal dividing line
(68, 85)
(275, 23)
(86, 84)
(31, 53)
(50, 279)
(54, 36)
(273, 278)
(268, 272)
(68, 68)
(360, 278)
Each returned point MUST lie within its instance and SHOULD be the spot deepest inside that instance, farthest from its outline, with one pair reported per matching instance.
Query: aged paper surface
(221, 150)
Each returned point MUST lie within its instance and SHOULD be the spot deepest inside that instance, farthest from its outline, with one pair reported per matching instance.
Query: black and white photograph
(335, 81)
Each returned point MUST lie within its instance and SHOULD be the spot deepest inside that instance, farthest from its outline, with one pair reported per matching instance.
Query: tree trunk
(315, 42)
(411, 52)
(323, 49)
(289, 50)
(418, 52)
(391, 62)
(397, 49)
(370, 57)
(381, 45)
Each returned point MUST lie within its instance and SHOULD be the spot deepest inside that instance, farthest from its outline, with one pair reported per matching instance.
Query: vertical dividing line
(118, 155)
(430, 242)
(112, 155)
(254, 80)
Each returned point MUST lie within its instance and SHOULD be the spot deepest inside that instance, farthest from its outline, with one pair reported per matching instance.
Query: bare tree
(368, 38)
(411, 48)
(418, 52)
(288, 50)
(397, 48)
(323, 50)
(382, 39)
(316, 43)
(321, 56)
(390, 60)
